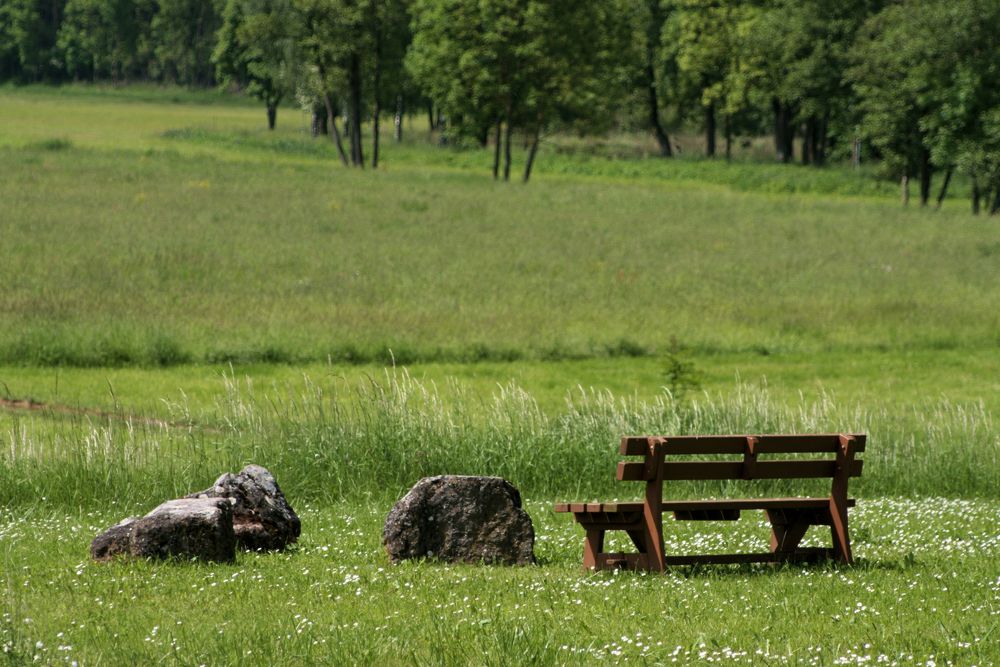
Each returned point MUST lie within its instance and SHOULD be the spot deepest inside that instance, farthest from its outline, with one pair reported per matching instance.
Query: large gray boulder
(185, 529)
(460, 519)
(115, 541)
(199, 528)
(262, 518)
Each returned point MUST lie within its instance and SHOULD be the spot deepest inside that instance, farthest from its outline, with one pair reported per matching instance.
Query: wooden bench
(667, 459)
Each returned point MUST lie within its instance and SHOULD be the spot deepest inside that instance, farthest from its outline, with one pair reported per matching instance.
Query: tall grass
(394, 430)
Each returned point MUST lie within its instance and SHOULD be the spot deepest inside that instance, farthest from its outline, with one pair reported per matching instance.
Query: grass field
(184, 293)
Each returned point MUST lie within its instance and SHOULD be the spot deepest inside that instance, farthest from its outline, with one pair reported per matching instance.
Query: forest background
(912, 86)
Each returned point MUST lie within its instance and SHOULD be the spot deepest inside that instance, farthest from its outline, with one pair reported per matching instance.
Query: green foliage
(526, 65)
(892, 98)
(346, 45)
(927, 76)
(700, 35)
(29, 29)
(10, 62)
(107, 40)
(961, 65)
(258, 49)
(184, 34)
(680, 373)
(792, 58)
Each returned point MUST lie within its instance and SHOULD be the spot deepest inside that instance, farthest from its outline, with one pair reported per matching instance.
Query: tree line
(914, 84)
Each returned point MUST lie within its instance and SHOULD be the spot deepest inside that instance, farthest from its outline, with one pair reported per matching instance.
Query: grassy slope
(293, 260)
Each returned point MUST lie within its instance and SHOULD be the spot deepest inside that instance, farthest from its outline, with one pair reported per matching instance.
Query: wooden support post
(593, 545)
(639, 540)
(838, 500)
(787, 530)
(652, 512)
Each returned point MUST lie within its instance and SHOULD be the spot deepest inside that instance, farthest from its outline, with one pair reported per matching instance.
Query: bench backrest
(660, 457)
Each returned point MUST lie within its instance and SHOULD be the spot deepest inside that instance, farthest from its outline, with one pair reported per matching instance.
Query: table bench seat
(690, 505)
(789, 517)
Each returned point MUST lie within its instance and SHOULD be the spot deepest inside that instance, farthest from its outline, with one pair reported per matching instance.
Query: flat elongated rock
(200, 528)
(460, 519)
(262, 518)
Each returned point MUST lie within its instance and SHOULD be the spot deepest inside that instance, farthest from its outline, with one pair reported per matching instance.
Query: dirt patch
(31, 405)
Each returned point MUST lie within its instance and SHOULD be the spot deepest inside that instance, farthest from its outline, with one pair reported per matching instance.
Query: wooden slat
(736, 444)
(721, 559)
(634, 446)
(804, 444)
(687, 444)
(697, 470)
(812, 553)
(629, 471)
(748, 504)
(632, 506)
(705, 470)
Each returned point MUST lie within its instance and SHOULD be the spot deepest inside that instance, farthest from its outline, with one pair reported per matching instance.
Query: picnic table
(724, 457)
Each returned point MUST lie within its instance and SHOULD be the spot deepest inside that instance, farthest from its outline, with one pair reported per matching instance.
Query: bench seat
(706, 505)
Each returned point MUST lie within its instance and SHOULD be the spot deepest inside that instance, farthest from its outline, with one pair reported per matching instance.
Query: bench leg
(787, 531)
(593, 545)
(839, 532)
(639, 540)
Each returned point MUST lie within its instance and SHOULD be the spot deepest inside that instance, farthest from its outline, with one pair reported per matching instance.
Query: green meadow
(184, 292)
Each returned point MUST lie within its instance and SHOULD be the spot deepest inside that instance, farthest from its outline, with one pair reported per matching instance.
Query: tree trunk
(710, 130)
(995, 206)
(819, 152)
(430, 116)
(784, 134)
(728, 129)
(654, 113)
(856, 154)
(789, 138)
(778, 142)
(506, 151)
(397, 120)
(904, 186)
(926, 173)
(331, 120)
(807, 131)
(319, 124)
(354, 84)
(975, 196)
(377, 95)
(944, 189)
(376, 112)
(272, 114)
(533, 151)
(496, 150)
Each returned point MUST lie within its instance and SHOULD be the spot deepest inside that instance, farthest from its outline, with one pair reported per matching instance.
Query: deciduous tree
(519, 65)
(184, 33)
(258, 49)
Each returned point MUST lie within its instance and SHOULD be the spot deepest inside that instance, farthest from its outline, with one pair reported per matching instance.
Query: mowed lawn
(190, 293)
